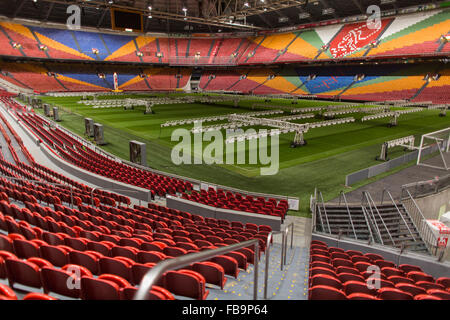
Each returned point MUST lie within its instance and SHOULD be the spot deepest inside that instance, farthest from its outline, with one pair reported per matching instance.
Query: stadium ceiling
(192, 16)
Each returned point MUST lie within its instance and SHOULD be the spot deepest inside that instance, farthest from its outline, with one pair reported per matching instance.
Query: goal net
(430, 143)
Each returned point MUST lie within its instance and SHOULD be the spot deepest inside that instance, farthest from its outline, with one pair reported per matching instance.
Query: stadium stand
(413, 34)
(56, 229)
(335, 274)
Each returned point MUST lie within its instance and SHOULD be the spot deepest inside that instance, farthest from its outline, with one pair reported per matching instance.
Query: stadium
(224, 150)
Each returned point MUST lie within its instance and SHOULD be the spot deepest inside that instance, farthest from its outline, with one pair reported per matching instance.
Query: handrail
(381, 218)
(155, 273)
(398, 210)
(374, 221)
(418, 218)
(342, 194)
(325, 211)
(366, 217)
(286, 232)
(266, 274)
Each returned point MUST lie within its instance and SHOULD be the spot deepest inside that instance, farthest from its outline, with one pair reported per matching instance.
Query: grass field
(331, 152)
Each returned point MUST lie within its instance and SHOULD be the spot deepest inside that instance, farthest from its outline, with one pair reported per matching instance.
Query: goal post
(432, 142)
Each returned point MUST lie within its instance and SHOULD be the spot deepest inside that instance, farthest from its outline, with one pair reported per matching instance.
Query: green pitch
(331, 153)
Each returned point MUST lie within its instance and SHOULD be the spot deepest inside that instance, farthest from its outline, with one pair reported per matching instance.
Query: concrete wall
(218, 213)
(429, 264)
(434, 205)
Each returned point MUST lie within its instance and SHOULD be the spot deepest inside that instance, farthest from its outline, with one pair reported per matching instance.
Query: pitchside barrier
(386, 166)
(226, 214)
(293, 202)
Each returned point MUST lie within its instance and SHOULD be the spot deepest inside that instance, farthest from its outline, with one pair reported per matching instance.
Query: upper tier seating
(413, 34)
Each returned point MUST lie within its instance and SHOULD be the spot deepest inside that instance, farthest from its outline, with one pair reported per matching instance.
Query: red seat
(64, 281)
(139, 270)
(342, 263)
(119, 266)
(26, 272)
(325, 280)
(322, 271)
(393, 294)
(7, 292)
(408, 268)
(362, 266)
(56, 255)
(444, 295)
(350, 287)
(326, 293)
(128, 252)
(389, 271)
(321, 258)
(417, 276)
(357, 258)
(25, 248)
(38, 296)
(344, 277)
(399, 279)
(410, 288)
(150, 256)
(374, 256)
(153, 246)
(321, 265)
(99, 289)
(342, 269)
(361, 296)
(426, 297)
(186, 283)
(174, 251)
(239, 257)
(429, 285)
(383, 263)
(229, 265)
(157, 293)
(87, 259)
(212, 272)
(444, 281)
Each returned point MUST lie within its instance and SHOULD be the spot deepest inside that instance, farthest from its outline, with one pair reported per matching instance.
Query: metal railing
(170, 264)
(419, 221)
(367, 218)
(286, 233)
(342, 195)
(325, 211)
(386, 191)
(269, 240)
(372, 206)
(425, 188)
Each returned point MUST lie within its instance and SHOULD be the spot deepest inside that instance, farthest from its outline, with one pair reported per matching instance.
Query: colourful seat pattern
(413, 34)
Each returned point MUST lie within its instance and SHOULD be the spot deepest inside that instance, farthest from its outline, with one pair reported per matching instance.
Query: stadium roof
(183, 16)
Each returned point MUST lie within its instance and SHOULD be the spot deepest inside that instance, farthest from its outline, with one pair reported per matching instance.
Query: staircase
(388, 223)
(393, 227)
